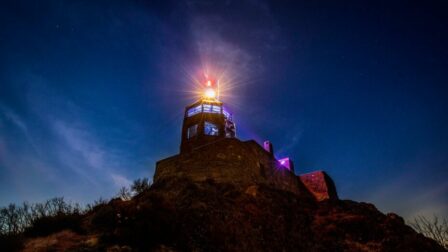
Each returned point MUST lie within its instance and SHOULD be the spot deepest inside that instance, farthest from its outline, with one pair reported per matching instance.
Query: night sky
(92, 92)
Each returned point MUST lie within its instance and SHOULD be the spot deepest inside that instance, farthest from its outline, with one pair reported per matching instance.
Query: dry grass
(60, 241)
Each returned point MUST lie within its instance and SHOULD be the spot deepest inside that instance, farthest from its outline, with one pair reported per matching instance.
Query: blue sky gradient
(92, 92)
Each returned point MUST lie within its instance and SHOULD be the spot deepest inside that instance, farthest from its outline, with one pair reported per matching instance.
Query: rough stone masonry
(243, 163)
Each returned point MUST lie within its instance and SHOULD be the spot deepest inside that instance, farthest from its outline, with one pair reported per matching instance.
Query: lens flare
(210, 93)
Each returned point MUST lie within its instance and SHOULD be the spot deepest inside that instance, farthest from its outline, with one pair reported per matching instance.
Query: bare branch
(434, 228)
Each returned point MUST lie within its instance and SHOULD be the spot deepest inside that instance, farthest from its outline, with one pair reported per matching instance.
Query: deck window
(207, 108)
(211, 129)
(216, 109)
(194, 110)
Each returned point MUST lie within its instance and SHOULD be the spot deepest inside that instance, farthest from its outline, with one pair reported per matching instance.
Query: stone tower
(206, 121)
(209, 150)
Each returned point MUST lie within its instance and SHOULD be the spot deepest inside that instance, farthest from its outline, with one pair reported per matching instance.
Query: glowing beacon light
(206, 120)
(210, 92)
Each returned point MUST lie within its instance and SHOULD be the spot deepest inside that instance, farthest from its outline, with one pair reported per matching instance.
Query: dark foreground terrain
(179, 215)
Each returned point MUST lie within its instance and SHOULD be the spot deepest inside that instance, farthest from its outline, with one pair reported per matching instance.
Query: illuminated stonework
(209, 149)
(319, 184)
(205, 121)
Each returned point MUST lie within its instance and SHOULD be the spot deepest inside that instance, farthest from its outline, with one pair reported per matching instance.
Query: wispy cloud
(20, 124)
(14, 118)
(120, 180)
(94, 160)
(63, 151)
(80, 141)
(292, 139)
(221, 50)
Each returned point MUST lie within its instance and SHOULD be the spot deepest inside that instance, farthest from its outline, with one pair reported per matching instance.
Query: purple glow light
(286, 162)
(267, 145)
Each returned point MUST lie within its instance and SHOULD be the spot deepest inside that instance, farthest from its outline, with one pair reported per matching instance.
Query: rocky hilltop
(182, 215)
(231, 196)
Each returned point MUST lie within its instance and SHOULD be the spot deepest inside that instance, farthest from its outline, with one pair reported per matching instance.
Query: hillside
(181, 215)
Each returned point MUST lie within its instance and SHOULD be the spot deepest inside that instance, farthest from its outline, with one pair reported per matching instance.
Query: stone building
(209, 149)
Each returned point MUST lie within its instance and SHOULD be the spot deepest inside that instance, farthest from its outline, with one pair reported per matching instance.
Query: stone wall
(243, 164)
(320, 185)
(229, 160)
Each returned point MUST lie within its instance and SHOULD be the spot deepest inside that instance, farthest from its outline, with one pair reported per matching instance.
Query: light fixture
(210, 93)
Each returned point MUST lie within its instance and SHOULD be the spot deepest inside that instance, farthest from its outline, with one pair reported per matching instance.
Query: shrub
(124, 193)
(15, 219)
(140, 185)
(52, 224)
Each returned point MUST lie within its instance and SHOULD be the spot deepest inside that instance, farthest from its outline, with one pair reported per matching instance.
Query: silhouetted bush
(140, 185)
(104, 218)
(149, 227)
(15, 219)
(51, 224)
(124, 193)
(434, 228)
(96, 204)
(11, 242)
(142, 224)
